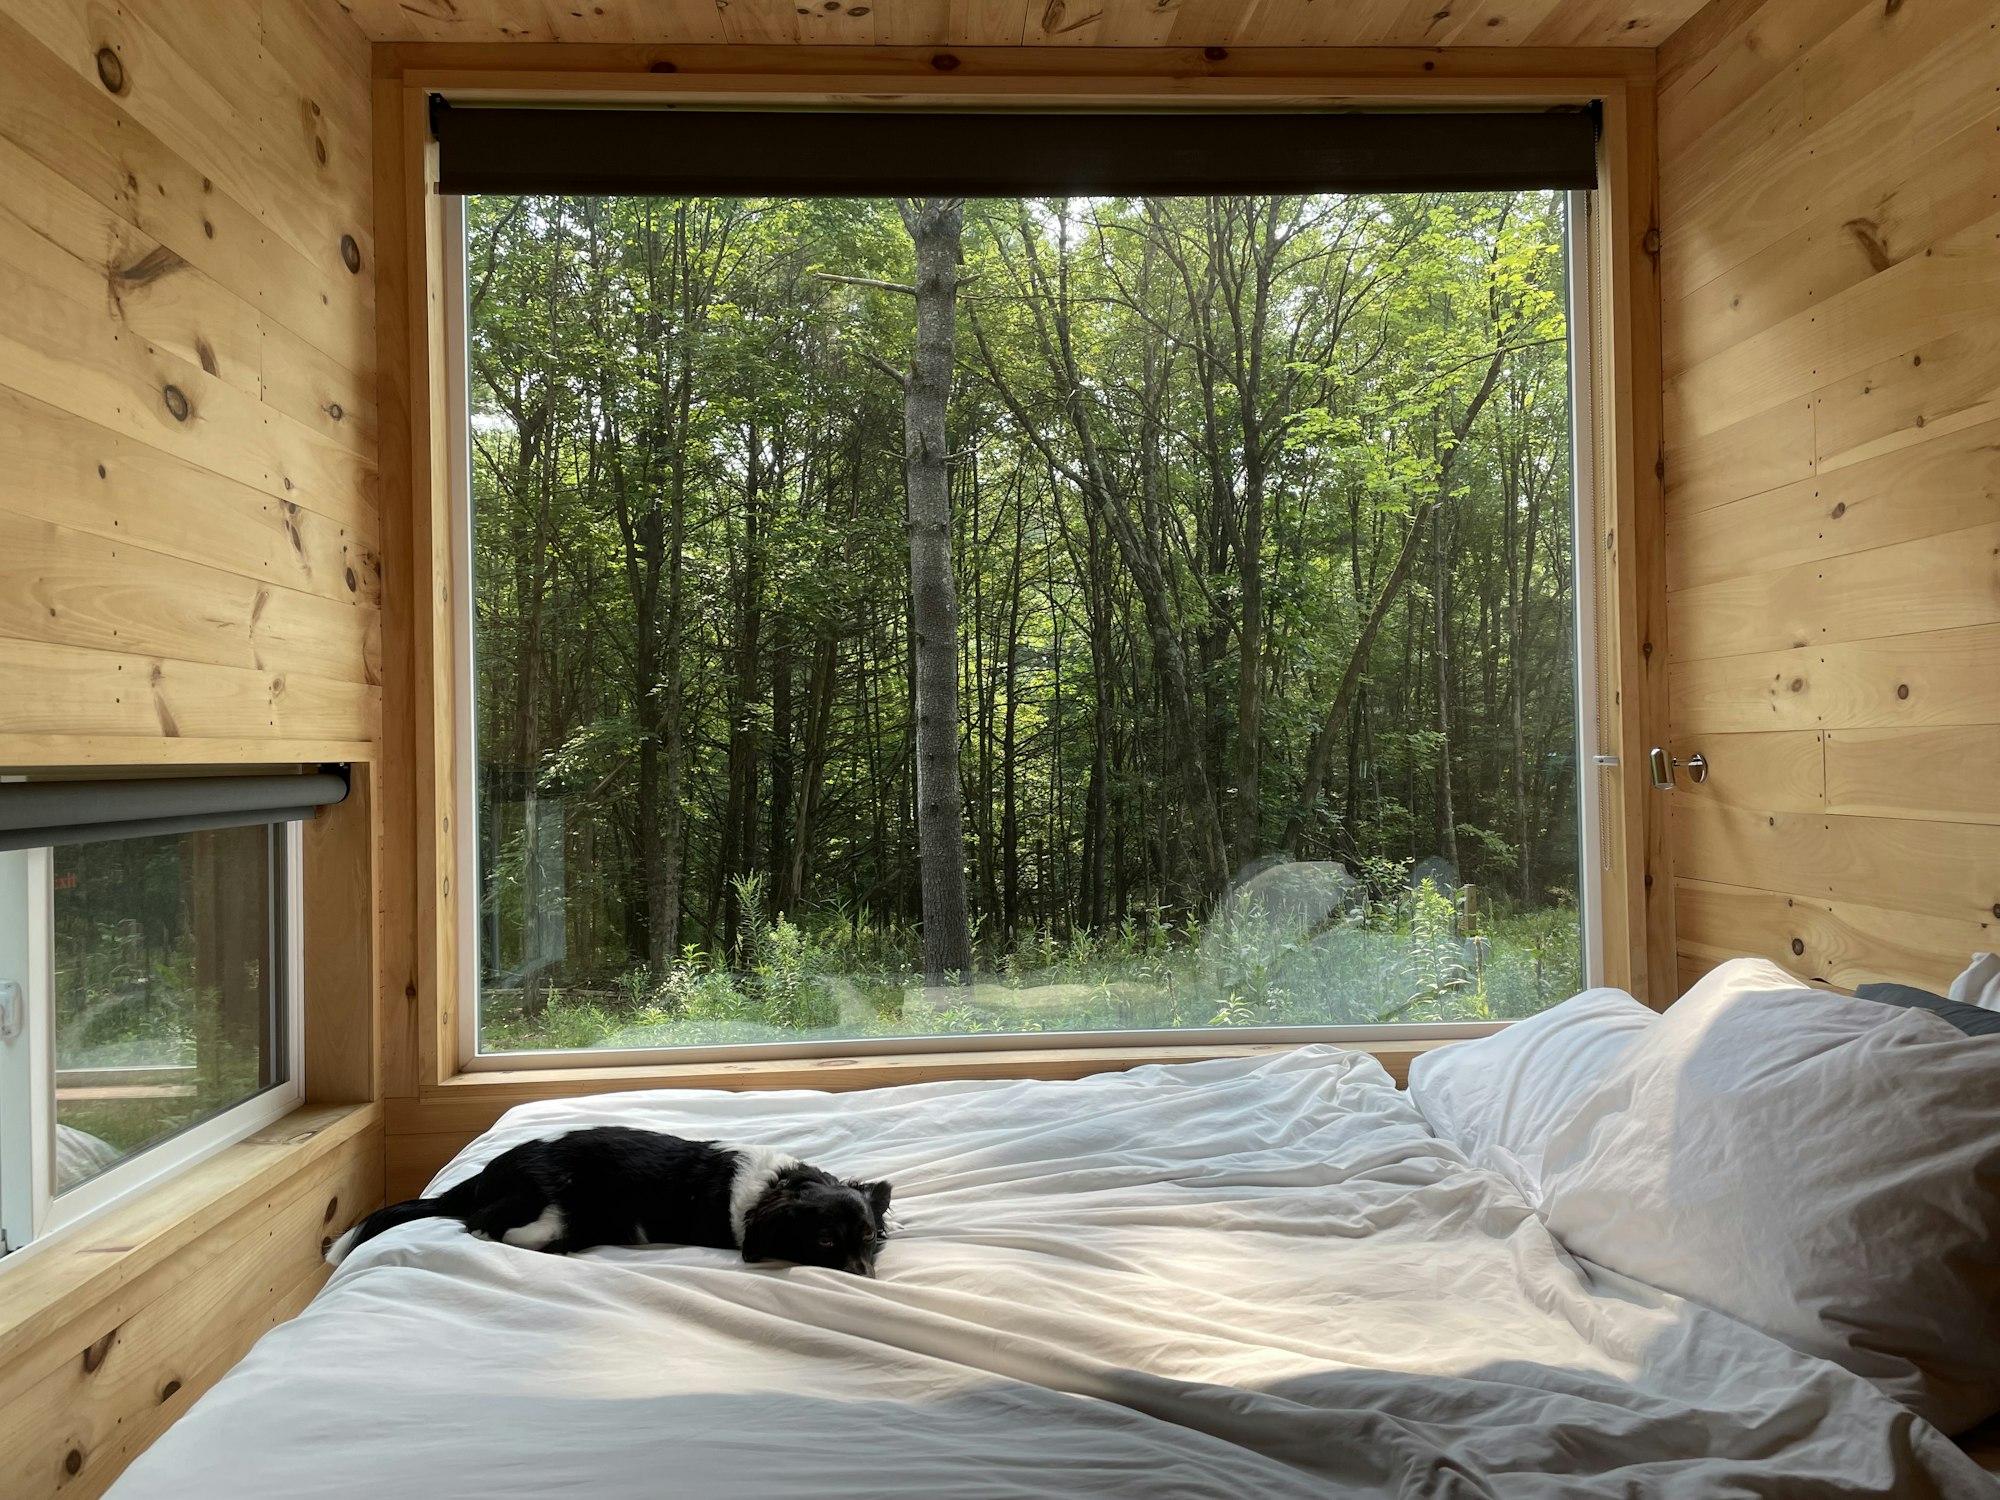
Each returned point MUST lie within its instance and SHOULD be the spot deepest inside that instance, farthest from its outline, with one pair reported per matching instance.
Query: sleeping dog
(612, 1185)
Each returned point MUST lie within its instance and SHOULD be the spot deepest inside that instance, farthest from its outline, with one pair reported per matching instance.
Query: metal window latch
(1663, 768)
(11, 1007)
(1604, 760)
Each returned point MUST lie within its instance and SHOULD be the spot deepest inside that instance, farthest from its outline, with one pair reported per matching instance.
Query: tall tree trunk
(1010, 809)
(935, 226)
(1441, 606)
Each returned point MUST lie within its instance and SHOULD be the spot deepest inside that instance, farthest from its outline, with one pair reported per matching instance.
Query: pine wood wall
(190, 572)
(1830, 259)
(187, 394)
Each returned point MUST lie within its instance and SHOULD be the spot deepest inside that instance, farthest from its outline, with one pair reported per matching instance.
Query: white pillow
(1498, 1098)
(1824, 1168)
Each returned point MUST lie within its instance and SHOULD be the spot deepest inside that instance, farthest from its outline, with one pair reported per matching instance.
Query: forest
(939, 615)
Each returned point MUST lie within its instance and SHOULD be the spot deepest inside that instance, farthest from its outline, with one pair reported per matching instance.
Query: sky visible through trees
(927, 616)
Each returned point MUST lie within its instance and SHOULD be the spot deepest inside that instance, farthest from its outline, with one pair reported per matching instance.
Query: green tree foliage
(1260, 531)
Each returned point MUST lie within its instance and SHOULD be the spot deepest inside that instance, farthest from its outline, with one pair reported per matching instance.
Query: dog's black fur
(612, 1185)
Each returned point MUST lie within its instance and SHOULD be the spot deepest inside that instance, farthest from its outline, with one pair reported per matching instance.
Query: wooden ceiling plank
(1035, 23)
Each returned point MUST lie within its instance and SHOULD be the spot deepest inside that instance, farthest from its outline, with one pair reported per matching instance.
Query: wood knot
(332, 1208)
(857, 11)
(73, 1462)
(409, 992)
(662, 66)
(170, 1390)
(1839, 510)
(325, 1243)
(944, 62)
(350, 254)
(319, 149)
(1798, 684)
(334, 410)
(93, 1357)
(1430, 67)
(1890, 7)
(177, 403)
(1798, 945)
(111, 70)
(353, 583)
(1652, 242)
(1903, 691)
(1868, 235)
(1215, 54)
(101, 474)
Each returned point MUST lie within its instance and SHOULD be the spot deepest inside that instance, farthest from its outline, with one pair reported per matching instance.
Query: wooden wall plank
(79, 130)
(1843, 943)
(72, 588)
(1948, 774)
(1939, 677)
(1727, 53)
(1938, 386)
(1935, 583)
(1761, 451)
(1923, 298)
(1774, 771)
(214, 97)
(59, 345)
(1857, 230)
(59, 468)
(1843, 511)
(1942, 868)
(66, 690)
(1882, 89)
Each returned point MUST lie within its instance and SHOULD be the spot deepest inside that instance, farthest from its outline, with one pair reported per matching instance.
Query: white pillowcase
(1824, 1168)
(1498, 1098)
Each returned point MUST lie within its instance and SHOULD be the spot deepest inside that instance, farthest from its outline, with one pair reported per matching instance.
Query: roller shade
(857, 153)
(38, 813)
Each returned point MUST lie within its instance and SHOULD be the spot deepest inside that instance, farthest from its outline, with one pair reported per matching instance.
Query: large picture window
(935, 617)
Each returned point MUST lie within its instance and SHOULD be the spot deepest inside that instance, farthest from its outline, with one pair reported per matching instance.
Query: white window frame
(30, 1208)
(1580, 279)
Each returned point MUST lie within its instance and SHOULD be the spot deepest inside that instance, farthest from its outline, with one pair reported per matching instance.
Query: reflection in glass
(166, 989)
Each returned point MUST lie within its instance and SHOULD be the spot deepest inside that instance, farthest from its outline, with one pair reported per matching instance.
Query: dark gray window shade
(38, 813)
(857, 153)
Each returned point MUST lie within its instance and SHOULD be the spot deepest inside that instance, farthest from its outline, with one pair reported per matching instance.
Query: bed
(1249, 1277)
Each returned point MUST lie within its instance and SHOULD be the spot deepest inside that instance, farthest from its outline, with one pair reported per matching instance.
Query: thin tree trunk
(935, 225)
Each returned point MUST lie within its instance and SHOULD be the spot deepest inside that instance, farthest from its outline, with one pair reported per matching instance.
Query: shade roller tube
(38, 813)
(824, 153)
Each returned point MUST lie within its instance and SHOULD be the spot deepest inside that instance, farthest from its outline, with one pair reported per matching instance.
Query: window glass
(165, 989)
(931, 617)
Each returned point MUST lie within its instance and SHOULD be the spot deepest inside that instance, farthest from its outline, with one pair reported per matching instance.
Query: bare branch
(883, 365)
(880, 286)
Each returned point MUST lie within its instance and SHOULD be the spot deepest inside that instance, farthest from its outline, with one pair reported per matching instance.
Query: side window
(149, 1008)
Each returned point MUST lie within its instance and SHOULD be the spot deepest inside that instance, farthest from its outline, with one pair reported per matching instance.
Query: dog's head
(812, 1218)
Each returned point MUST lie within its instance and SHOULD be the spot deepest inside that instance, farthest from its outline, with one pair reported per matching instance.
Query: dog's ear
(877, 1194)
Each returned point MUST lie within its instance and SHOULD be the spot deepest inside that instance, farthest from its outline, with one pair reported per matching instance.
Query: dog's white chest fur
(756, 1167)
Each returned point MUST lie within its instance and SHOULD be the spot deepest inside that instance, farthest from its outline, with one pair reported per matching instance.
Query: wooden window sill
(102, 1256)
(841, 1073)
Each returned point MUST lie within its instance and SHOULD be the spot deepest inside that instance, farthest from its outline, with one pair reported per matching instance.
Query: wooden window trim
(428, 1092)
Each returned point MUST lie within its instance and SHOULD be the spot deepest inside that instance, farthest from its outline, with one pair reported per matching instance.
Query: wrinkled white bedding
(1247, 1278)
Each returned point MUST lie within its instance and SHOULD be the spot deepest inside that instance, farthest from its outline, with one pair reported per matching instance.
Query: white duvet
(1261, 1278)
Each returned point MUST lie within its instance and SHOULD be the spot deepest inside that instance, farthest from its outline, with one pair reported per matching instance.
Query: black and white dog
(612, 1185)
